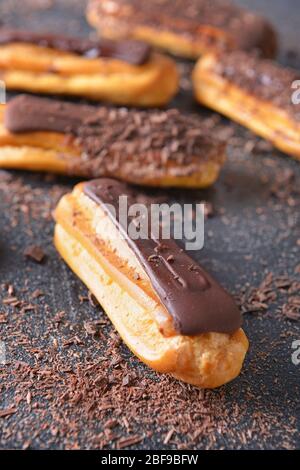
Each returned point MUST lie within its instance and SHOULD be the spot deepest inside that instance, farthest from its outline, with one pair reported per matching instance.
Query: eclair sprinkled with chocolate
(187, 29)
(125, 72)
(156, 148)
(257, 93)
(169, 311)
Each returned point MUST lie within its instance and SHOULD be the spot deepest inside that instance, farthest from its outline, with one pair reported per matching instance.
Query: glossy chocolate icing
(131, 51)
(27, 113)
(196, 302)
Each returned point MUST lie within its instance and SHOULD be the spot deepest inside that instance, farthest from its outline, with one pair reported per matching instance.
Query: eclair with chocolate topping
(153, 147)
(254, 92)
(168, 310)
(124, 72)
(187, 29)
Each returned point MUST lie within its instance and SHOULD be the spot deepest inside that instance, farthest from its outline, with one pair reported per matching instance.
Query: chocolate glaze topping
(133, 52)
(113, 140)
(27, 113)
(261, 78)
(196, 302)
(242, 29)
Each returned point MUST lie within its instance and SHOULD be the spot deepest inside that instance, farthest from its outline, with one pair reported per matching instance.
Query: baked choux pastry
(153, 147)
(254, 92)
(171, 313)
(124, 72)
(187, 29)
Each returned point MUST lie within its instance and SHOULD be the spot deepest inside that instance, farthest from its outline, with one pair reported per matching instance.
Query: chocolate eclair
(153, 147)
(169, 311)
(125, 72)
(187, 29)
(255, 92)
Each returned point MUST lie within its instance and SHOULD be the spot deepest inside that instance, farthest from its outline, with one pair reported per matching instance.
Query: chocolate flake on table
(291, 310)
(91, 328)
(131, 51)
(129, 441)
(35, 253)
(271, 289)
(3, 318)
(261, 78)
(37, 293)
(7, 412)
(196, 302)
(111, 138)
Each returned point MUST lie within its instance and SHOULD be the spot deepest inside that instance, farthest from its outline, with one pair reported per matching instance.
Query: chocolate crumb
(91, 328)
(7, 412)
(35, 253)
(128, 442)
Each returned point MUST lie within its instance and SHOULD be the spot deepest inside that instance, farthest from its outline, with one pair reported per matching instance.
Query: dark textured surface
(254, 231)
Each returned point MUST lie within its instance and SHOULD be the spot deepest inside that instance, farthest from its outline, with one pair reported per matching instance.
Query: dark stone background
(251, 234)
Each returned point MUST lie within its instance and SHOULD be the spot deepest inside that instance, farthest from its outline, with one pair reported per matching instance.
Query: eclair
(124, 72)
(168, 310)
(146, 147)
(187, 29)
(254, 92)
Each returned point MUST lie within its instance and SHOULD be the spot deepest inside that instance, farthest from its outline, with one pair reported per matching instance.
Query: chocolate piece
(35, 253)
(261, 78)
(196, 302)
(110, 138)
(131, 51)
(242, 28)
